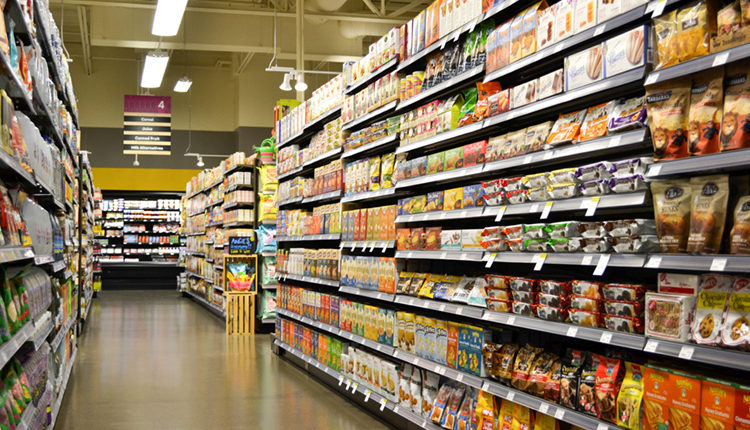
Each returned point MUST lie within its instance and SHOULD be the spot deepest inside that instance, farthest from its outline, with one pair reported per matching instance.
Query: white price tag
(602, 426)
(416, 361)
(500, 213)
(367, 395)
(442, 308)
(558, 48)
(543, 408)
(527, 159)
(548, 155)
(341, 245)
(341, 380)
(586, 260)
(601, 266)
(720, 59)
(599, 30)
(441, 371)
(385, 247)
(654, 170)
(651, 345)
(457, 35)
(460, 311)
(491, 260)
(443, 215)
(659, 8)
(444, 255)
(533, 208)
(354, 387)
(460, 377)
(442, 45)
(348, 384)
(511, 320)
(354, 245)
(372, 246)
(395, 409)
(652, 78)
(686, 352)
(383, 402)
(606, 337)
(593, 204)
(364, 246)
(546, 210)
(614, 141)
(485, 386)
(718, 264)
(511, 395)
(473, 24)
(653, 262)
(538, 261)
(572, 331)
(559, 414)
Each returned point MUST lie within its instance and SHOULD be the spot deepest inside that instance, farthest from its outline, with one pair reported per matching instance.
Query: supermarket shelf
(323, 119)
(698, 353)
(289, 201)
(239, 224)
(577, 96)
(609, 145)
(450, 85)
(444, 138)
(237, 205)
(439, 44)
(442, 255)
(382, 143)
(289, 174)
(372, 76)
(215, 184)
(195, 253)
(219, 245)
(370, 117)
(563, 47)
(721, 162)
(268, 320)
(195, 275)
(218, 287)
(568, 259)
(325, 197)
(382, 245)
(9, 254)
(291, 139)
(63, 388)
(373, 294)
(699, 263)
(268, 222)
(15, 87)
(236, 187)
(706, 62)
(216, 310)
(196, 213)
(456, 375)
(62, 331)
(441, 215)
(309, 237)
(436, 178)
(216, 203)
(308, 279)
(268, 286)
(327, 156)
(451, 308)
(43, 259)
(43, 326)
(9, 348)
(369, 195)
(238, 167)
(12, 166)
(215, 224)
(609, 201)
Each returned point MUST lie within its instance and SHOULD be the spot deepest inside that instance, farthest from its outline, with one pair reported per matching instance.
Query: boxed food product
(685, 400)
(434, 201)
(566, 128)
(668, 316)
(550, 84)
(453, 199)
(565, 19)
(607, 9)
(516, 38)
(679, 283)
(523, 94)
(545, 33)
(656, 397)
(473, 196)
(584, 67)
(452, 345)
(450, 239)
(717, 404)
(473, 153)
(530, 21)
(627, 51)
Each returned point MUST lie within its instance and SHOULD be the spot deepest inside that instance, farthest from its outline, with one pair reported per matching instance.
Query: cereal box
(473, 196)
(550, 84)
(477, 338)
(503, 45)
(381, 325)
(435, 163)
(523, 94)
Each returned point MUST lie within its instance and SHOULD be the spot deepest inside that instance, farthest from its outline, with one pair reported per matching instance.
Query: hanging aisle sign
(147, 125)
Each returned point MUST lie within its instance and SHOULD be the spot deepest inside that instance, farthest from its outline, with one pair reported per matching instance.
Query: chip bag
(630, 397)
(695, 23)
(667, 48)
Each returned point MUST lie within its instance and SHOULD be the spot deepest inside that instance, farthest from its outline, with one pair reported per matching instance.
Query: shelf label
(543, 408)
(341, 245)
(444, 255)
(601, 266)
(572, 332)
(354, 387)
(599, 30)
(653, 262)
(348, 384)
(383, 402)
(443, 215)
(395, 409)
(686, 352)
(606, 337)
(364, 246)
(354, 245)
(658, 10)
(511, 395)
(511, 320)
(592, 205)
(720, 59)
(460, 311)
(442, 45)
(341, 380)
(385, 247)
(614, 141)
(528, 159)
(718, 264)
(458, 34)
(460, 377)
(538, 261)
(533, 208)
(367, 395)
(372, 246)
(651, 345)
(500, 213)
(559, 414)
(652, 78)
(602, 426)
(491, 260)
(586, 260)
(546, 210)
(485, 386)
(442, 308)
(440, 370)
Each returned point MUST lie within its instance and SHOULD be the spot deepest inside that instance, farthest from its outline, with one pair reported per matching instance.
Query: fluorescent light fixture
(183, 85)
(200, 162)
(167, 17)
(286, 86)
(300, 85)
(154, 68)
(136, 163)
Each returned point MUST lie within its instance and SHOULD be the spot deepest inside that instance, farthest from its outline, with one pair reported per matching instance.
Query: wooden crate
(240, 312)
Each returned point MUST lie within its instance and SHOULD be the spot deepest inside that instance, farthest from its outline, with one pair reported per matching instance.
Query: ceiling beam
(372, 7)
(266, 12)
(243, 62)
(83, 24)
(406, 8)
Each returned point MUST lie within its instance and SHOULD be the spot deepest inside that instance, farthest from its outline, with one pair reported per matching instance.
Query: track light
(167, 17)
(136, 163)
(300, 85)
(183, 85)
(154, 68)
(285, 85)
(200, 162)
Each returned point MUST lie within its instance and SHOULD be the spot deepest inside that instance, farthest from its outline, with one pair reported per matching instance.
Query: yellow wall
(139, 179)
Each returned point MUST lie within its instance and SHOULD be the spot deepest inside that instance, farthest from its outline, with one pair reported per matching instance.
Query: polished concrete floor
(154, 360)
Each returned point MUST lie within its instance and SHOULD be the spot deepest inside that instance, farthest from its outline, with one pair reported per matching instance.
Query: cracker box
(685, 397)
(419, 336)
(441, 345)
(434, 201)
(454, 158)
(628, 51)
(390, 217)
(381, 326)
(717, 404)
(523, 94)
(516, 38)
(473, 196)
(462, 356)
(450, 239)
(583, 68)
(656, 392)
(390, 327)
(677, 283)
(503, 45)
(453, 199)
(530, 21)
(403, 239)
(435, 163)
(607, 9)
(430, 338)
(564, 19)
(474, 153)
(471, 239)
(550, 84)
(545, 32)
(742, 408)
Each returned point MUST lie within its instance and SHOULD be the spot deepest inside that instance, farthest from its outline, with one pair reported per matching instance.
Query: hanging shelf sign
(241, 245)
(147, 125)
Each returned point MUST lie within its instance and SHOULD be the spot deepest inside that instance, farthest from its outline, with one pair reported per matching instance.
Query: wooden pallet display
(240, 303)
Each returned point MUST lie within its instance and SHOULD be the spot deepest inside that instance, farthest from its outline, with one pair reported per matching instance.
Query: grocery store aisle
(153, 360)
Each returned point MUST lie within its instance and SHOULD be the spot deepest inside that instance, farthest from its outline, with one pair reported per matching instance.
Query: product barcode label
(686, 352)
(601, 266)
(546, 210)
(383, 402)
(539, 261)
(572, 332)
(500, 213)
(718, 264)
(654, 262)
(511, 395)
(511, 320)
(543, 408)
(559, 414)
(606, 337)
(720, 59)
(651, 345)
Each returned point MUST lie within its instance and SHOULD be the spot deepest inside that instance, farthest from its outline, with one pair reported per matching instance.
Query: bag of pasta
(706, 102)
(695, 24)
(667, 49)
(667, 105)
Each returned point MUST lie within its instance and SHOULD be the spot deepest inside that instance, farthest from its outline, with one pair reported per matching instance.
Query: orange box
(355, 224)
(656, 391)
(742, 408)
(717, 404)
(685, 400)
(371, 219)
(452, 354)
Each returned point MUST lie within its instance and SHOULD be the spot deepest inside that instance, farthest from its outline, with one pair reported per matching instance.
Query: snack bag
(630, 397)
(695, 23)
(740, 235)
(672, 201)
(465, 415)
(566, 128)
(735, 330)
(712, 299)
(668, 106)
(523, 366)
(587, 386)
(735, 126)
(430, 393)
(706, 100)
(667, 44)
(454, 403)
(709, 209)
(595, 124)
(485, 411)
(608, 379)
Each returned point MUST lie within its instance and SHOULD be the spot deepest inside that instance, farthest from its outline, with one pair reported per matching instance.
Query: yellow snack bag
(667, 50)
(694, 30)
(630, 397)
